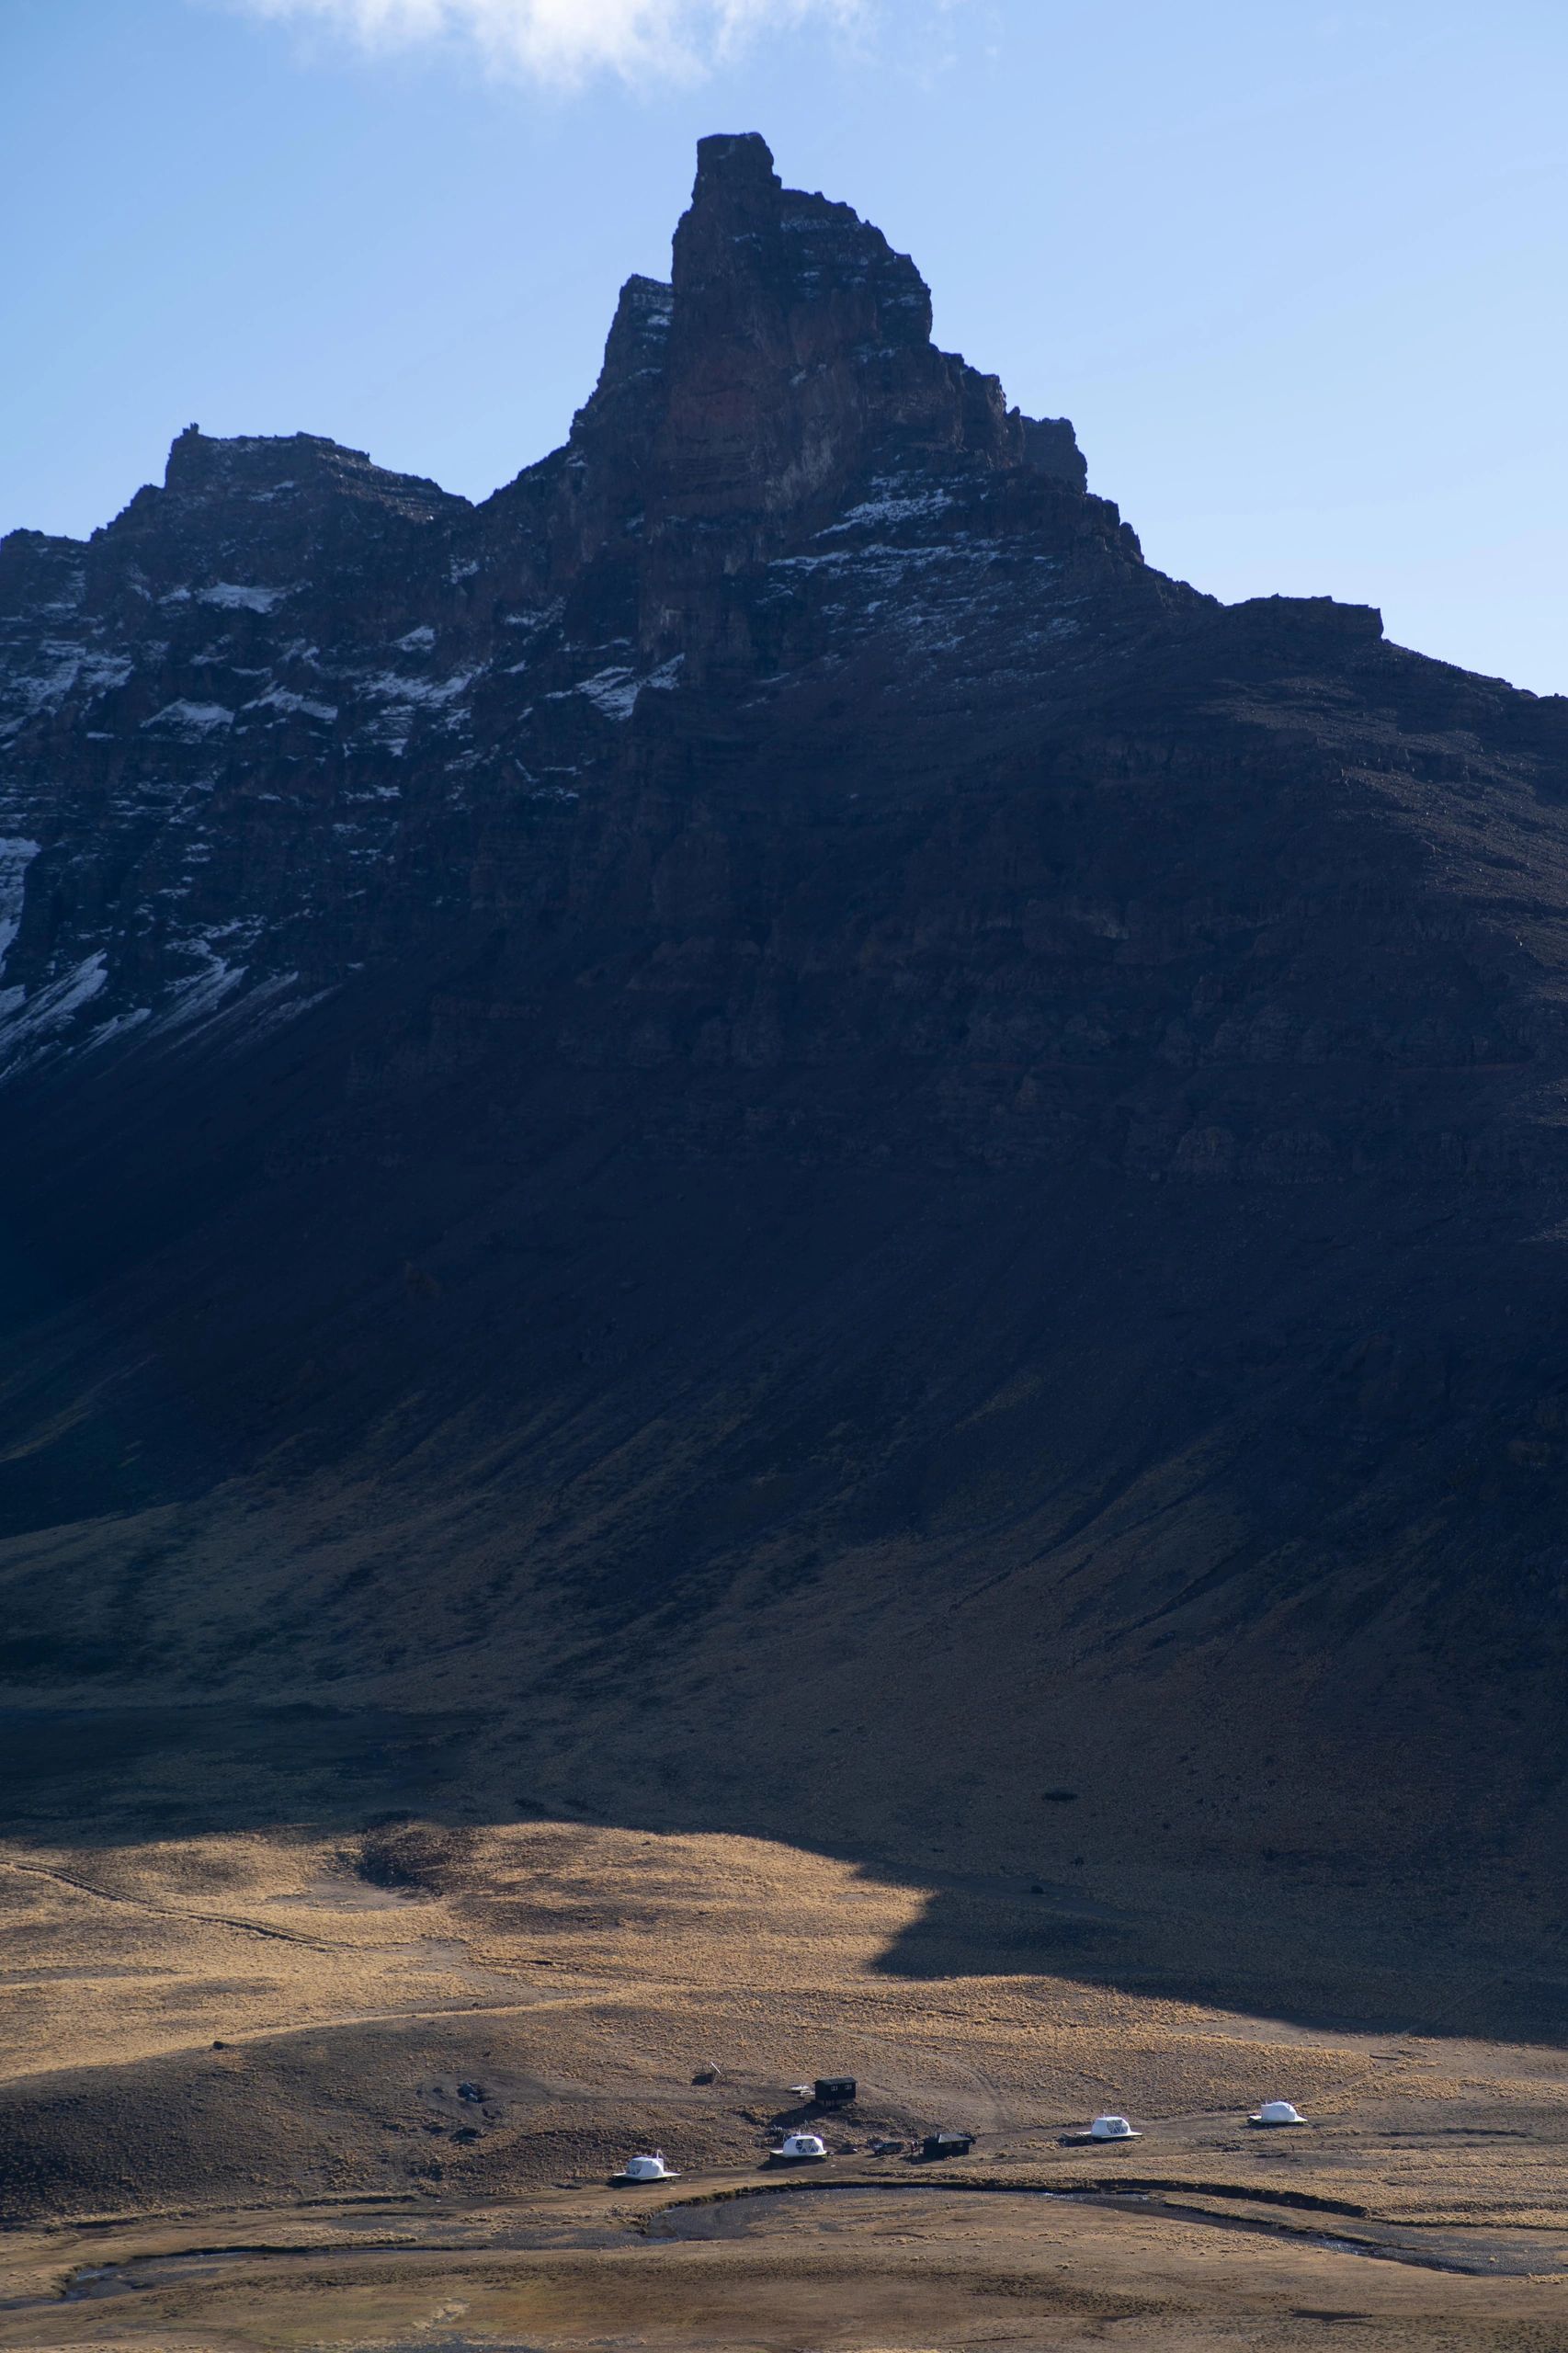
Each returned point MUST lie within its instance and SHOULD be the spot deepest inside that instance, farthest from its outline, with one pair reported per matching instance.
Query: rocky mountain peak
(262, 469)
(629, 397)
(784, 375)
(731, 161)
(748, 240)
(801, 348)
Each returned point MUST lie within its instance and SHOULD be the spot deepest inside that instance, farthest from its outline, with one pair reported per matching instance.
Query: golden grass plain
(381, 2077)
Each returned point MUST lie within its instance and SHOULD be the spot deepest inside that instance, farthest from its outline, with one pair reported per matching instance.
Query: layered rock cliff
(766, 1055)
(288, 689)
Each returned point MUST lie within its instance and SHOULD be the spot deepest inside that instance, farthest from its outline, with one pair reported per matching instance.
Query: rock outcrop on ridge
(766, 1072)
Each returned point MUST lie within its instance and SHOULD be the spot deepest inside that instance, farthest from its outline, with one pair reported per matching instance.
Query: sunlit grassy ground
(452, 2036)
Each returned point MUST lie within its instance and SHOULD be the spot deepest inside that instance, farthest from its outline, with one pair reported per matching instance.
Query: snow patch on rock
(28, 1023)
(284, 700)
(71, 667)
(16, 856)
(393, 687)
(890, 507)
(615, 691)
(184, 718)
(242, 597)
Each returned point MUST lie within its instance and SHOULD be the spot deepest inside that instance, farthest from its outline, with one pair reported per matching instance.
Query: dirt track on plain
(381, 2079)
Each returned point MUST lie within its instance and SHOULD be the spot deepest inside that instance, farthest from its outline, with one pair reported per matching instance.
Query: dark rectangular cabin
(833, 2091)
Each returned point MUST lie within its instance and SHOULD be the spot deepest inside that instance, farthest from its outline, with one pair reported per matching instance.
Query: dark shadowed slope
(765, 1083)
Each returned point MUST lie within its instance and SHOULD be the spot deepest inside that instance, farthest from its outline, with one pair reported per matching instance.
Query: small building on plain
(833, 2091)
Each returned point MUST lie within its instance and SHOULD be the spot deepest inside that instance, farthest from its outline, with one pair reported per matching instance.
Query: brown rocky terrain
(759, 1147)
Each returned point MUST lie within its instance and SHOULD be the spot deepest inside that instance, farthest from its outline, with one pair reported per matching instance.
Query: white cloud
(566, 41)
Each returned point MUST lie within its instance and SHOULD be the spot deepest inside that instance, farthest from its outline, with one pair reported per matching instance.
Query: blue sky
(1295, 272)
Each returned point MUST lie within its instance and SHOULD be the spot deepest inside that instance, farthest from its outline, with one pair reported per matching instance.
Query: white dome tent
(1276, 2112)
(650, 2168)
(803, 2148)
(1112, 2128)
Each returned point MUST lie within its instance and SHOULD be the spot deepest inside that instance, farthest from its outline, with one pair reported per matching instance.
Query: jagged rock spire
(791, 346)
(799, 340)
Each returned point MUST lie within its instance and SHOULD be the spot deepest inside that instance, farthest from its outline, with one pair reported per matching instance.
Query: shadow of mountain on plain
(1290, 1942)
(980, 1528)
